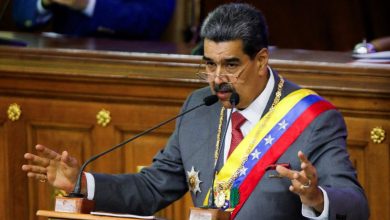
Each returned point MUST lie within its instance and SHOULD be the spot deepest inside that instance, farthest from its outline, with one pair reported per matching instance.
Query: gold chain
(217, 145)
(228, 184)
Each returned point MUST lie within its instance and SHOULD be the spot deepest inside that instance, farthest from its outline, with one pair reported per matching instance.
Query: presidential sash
(263, 146)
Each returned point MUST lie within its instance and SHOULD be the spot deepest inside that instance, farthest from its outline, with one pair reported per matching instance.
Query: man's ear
(262, 59)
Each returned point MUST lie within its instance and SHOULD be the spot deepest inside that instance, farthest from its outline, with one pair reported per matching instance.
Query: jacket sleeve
(136, 19)
(26, 15)
(132, 19)
(336, 174)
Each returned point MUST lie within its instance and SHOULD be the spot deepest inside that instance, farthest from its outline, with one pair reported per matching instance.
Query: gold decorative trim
(378, 135)
(59, 192)
(139, 168)
(103, 118)
(14, 112)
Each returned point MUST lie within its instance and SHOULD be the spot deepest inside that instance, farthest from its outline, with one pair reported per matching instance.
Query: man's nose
(218, 80)
(218, 72)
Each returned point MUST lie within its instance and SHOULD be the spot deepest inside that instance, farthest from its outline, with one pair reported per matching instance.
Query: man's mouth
(223, 91)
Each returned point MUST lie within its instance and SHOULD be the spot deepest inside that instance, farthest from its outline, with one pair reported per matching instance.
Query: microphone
(234, 100)
(207, 101)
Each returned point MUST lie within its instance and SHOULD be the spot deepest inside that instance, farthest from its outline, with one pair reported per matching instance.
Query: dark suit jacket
(132, 19)
(193, 144)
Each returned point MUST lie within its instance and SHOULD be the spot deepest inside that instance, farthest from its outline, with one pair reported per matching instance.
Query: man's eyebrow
(206, 58)
(233, 59)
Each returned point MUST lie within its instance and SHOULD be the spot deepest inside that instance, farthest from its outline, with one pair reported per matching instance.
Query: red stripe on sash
(279, 147)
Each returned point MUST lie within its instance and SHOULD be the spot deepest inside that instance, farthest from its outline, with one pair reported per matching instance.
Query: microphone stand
(234, 100)
(211, 201)
(211, 209)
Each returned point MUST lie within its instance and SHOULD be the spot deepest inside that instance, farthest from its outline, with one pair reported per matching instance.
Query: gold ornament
(193, 180)
(103, 118)
(378, 135)
(220, 198)
(14, 112)
(139, 168)
(59, 192)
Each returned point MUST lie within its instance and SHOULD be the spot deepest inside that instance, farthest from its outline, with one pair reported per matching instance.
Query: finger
(36, 176)
(300, 178)
(291, 174)
(306, 166)
(37, 159)
(295, 189)
(300, 182)
(297, 179)
(285, 172)
(48, 153)
(302, 157)
(35, 169)
(305, 163)
(299, 188)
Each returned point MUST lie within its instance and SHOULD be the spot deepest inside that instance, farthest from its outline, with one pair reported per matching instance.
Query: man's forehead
(224, 50)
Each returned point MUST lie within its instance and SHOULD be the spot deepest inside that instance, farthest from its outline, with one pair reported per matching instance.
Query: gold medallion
(220, 198)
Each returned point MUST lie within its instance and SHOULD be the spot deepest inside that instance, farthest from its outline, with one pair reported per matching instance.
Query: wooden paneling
(3, 166)
(138, 153)
(372, 162)
(73, 138)
(60, 91)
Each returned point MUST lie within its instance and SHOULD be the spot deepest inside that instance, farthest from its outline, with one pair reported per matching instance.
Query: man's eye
(210, 65)
(231, 65)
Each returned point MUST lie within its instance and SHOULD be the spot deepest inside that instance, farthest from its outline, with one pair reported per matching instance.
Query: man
(130, 19)
(285, 159)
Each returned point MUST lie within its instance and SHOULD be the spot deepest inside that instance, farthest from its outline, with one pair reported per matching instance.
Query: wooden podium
(64, 215)
(208, 214)
(196, 213)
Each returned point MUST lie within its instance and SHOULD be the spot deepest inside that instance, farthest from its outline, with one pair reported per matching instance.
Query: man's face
(233, 70)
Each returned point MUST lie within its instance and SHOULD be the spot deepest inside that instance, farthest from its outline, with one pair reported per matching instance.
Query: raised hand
(60, 170)
(304, 183)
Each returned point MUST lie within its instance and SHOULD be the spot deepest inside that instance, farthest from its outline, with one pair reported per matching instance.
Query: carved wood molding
(81, 74)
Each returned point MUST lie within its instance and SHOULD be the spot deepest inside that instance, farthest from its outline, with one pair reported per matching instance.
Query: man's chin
(224, 96)
(226, 103)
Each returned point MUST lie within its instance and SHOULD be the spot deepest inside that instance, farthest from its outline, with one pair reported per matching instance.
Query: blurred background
(306, 24)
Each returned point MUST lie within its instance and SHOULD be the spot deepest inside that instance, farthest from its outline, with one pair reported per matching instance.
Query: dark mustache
(223, 87)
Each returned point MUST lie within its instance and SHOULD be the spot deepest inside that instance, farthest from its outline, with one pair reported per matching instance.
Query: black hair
(237, 21)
